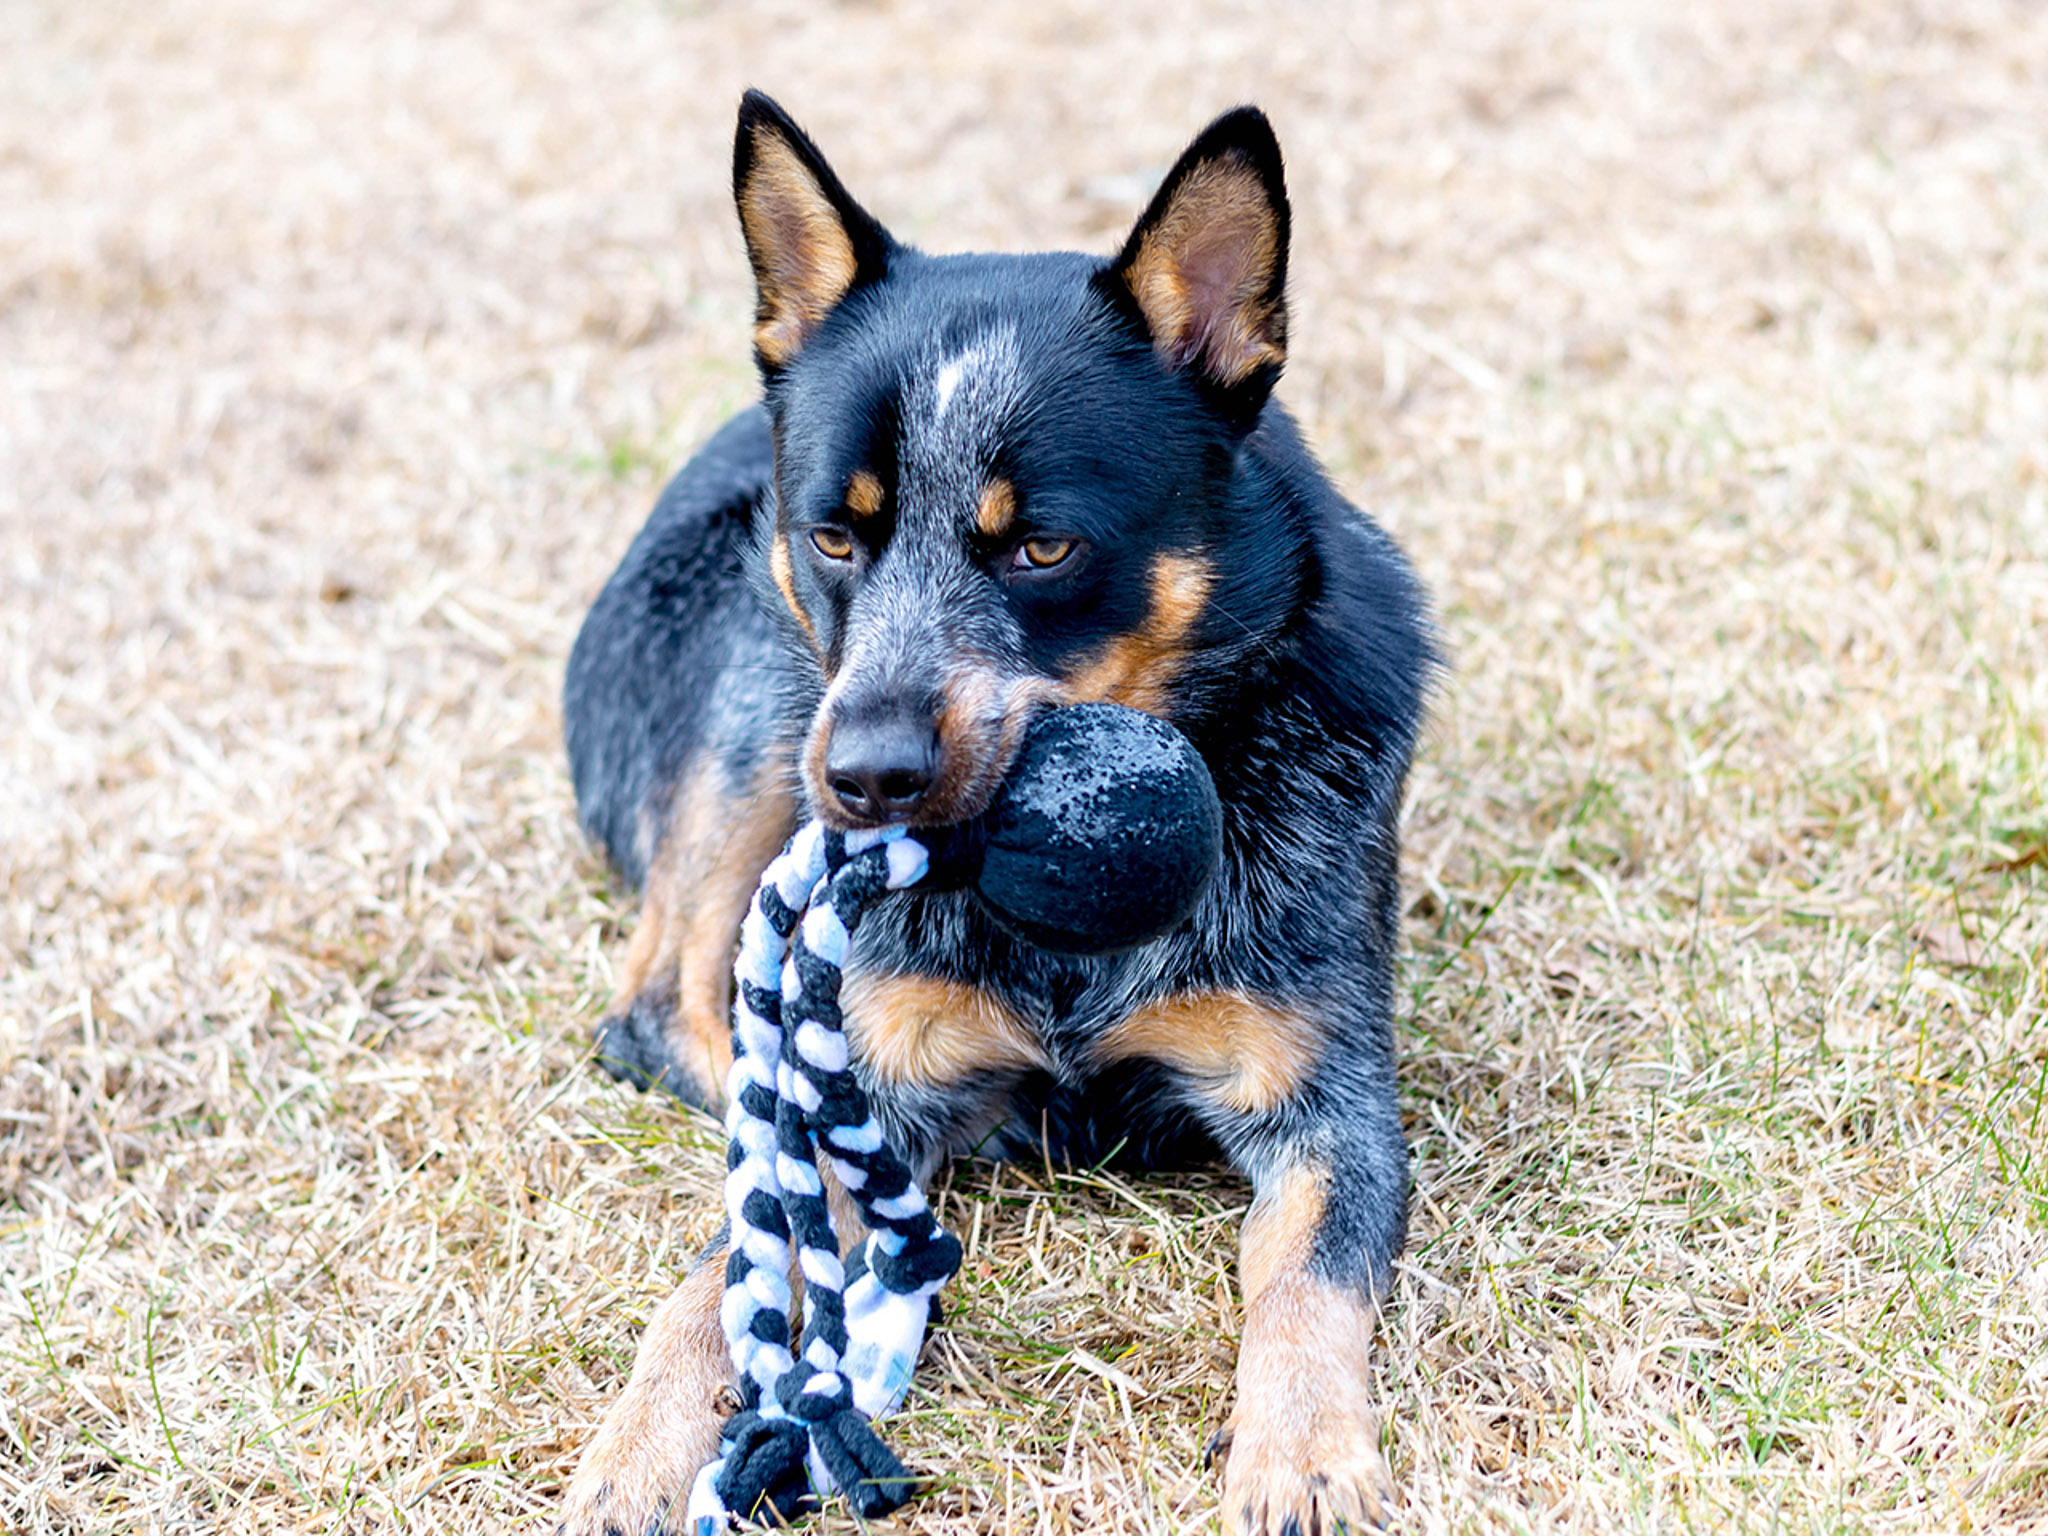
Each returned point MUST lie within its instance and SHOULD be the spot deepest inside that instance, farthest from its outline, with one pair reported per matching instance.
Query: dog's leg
(1310, 1114)
(670, 1023)
(1303, 1439)
(635, 1475)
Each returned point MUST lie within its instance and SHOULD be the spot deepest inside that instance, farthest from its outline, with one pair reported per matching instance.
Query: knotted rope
(804, 1421)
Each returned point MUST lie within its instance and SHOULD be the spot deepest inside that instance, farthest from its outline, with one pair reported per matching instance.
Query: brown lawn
(1699, 355)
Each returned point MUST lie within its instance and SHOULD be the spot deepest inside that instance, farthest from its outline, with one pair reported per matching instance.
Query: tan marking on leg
(996, 509)
(1303, 1436)
(1244, 1052)
(651, 952)
(724, 888)
(847, 1220)
(1280, 1229)
(698, 889)
(637, 1469)
(913, 1029)
(863, 493)
(1138, 669)
(785, 583)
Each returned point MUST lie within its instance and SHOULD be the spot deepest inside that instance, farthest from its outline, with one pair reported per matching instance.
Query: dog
(978, 487)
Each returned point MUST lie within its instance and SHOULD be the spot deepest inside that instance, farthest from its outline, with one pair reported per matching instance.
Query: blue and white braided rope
(792, 1098)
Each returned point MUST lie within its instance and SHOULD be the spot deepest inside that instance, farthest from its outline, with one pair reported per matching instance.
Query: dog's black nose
(879, 769)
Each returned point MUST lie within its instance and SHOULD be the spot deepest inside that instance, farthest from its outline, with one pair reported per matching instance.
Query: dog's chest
(936, 992)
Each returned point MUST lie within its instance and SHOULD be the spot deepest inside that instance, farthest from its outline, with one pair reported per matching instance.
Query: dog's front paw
(634, 1480)
(1301, 1450)
(635, 1475)
(1306, 1479)
(638, 1046)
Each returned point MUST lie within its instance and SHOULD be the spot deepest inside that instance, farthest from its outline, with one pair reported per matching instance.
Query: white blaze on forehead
(956, 406)
(957, 403)
(948, 381)
(988, 367)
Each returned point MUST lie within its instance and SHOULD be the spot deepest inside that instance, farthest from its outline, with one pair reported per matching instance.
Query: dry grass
(1701, 358)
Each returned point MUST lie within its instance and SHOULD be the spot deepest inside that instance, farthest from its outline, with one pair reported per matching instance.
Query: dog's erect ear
(810, 243)
(1207, 264)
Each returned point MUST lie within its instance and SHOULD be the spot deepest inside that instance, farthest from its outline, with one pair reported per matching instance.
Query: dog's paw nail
(1218, 1445)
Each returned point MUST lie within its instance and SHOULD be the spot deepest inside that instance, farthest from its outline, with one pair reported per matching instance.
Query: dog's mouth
(921, 766)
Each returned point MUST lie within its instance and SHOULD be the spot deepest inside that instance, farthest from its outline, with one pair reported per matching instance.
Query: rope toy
(1104, 836)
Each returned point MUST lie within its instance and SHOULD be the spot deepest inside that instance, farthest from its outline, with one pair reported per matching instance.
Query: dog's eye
(1041, 554)
(832, 543)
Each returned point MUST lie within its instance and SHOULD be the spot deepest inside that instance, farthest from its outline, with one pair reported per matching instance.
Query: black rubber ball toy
(1103, 837)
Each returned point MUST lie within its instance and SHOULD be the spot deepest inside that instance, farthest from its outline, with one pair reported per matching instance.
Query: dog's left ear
(1207, 264)
(809, 242)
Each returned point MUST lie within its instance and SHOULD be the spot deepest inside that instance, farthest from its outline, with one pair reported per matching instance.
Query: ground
(1700, 356)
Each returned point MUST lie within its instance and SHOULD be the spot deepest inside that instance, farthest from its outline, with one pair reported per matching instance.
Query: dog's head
(1004, 482)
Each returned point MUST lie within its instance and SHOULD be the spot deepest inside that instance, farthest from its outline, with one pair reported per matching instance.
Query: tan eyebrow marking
(997, 508)
(863, 493)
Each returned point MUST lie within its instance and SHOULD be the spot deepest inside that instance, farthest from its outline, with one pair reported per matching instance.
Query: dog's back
(674, 640)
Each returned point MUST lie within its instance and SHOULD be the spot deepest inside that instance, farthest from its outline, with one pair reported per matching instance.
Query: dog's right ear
(1206, 266)
(810, 243)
